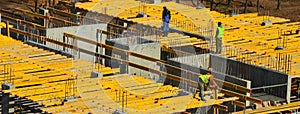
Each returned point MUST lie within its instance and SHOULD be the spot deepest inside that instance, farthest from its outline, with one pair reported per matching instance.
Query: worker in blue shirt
(166, 16)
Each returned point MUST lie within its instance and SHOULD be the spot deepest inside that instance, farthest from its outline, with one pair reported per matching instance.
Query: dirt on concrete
(288, 8)
(24, 4)
(9, 4)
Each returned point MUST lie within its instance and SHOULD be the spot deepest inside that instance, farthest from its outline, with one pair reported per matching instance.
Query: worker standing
(166, 16)
(203, 81)
(219, 37)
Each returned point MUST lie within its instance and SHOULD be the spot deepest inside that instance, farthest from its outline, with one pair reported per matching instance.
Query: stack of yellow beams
(40, 75)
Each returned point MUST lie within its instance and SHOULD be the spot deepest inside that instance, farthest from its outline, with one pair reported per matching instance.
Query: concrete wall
(260, 77)
(156, 1)
(86, 31)
(114, 53)
(188, 64)
(138, 45)
(202, 60)
(148, 49)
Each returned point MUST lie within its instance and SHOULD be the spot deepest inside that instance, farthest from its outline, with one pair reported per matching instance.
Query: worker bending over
(203, 81)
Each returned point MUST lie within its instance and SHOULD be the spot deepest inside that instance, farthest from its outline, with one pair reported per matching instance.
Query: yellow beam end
(3, 25)
(6, 91)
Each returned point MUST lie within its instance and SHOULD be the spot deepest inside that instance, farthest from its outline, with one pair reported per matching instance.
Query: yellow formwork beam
(3, 25)
(46, 85)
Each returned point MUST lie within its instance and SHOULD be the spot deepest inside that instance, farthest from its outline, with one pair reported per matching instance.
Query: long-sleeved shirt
(164, 14)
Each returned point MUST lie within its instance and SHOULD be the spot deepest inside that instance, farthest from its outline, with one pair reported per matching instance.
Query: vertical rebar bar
(123, 101)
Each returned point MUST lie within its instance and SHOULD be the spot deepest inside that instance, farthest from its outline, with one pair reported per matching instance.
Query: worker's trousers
(165, 28)
(201, 89)
(218, 45)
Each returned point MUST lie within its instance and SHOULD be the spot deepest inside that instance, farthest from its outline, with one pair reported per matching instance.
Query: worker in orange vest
(203, 81)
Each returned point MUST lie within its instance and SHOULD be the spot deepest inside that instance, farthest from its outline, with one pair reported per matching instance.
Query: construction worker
(203, 81)
(166, 16)
(219, 37)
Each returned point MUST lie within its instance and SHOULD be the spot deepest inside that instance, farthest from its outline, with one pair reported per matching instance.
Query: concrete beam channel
(39, 27)
(65, 14)
(45, 17)
(53, 10)
(173, 77)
